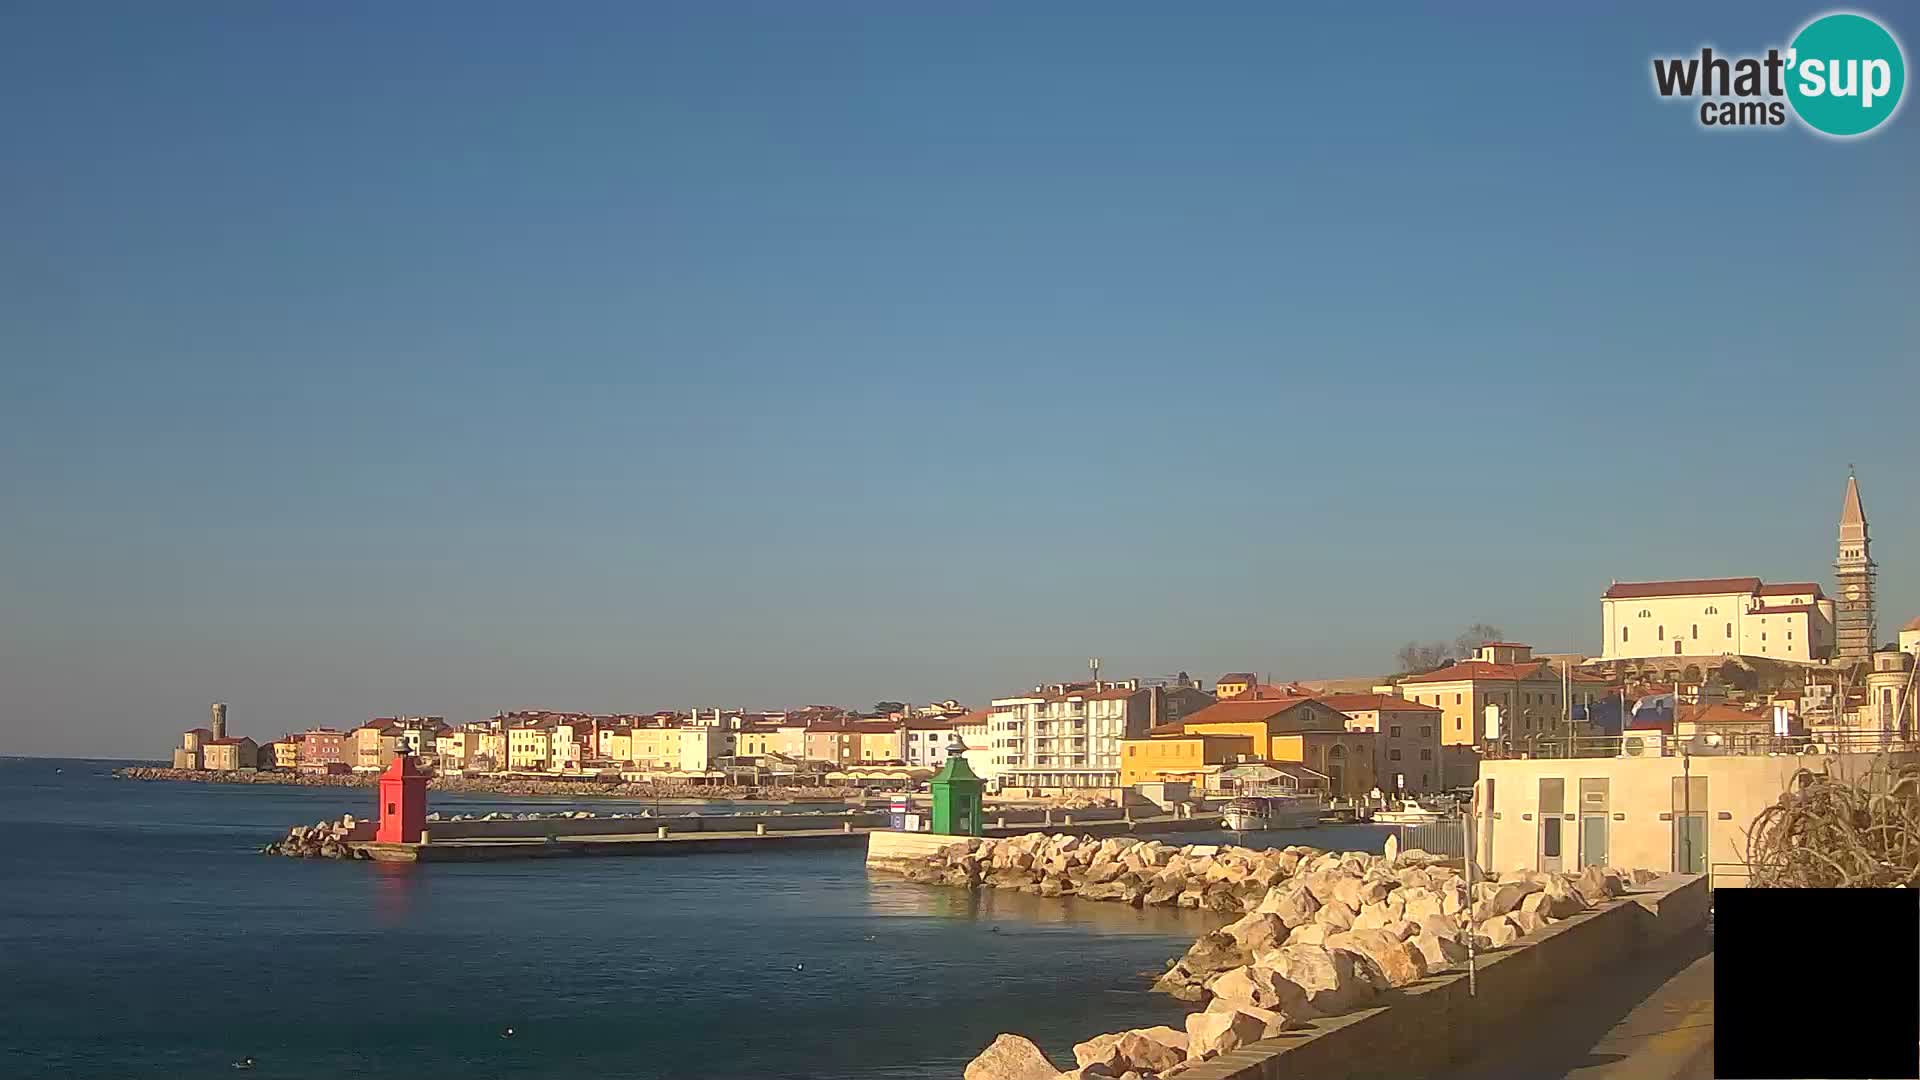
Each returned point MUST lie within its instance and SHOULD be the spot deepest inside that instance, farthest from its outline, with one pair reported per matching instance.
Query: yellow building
(455, 747)
(286, 753)
(373, 745)
(677, 749)
(787, 740)
(1299, 730)
(1527, 692)
(1234, 683)
(228, 755)
(529, 749)
(1191, 758)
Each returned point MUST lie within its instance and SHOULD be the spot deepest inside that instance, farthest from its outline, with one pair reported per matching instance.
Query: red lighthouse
(403, 803)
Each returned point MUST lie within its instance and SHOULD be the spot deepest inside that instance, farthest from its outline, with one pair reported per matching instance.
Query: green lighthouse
(956, 795)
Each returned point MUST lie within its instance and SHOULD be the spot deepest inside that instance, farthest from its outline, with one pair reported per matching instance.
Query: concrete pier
(569, 838)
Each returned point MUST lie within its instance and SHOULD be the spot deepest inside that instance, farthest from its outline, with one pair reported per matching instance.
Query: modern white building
(1741, 616)
(1067, 735)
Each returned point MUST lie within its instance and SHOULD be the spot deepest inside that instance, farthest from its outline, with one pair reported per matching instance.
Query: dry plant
(1835, 832)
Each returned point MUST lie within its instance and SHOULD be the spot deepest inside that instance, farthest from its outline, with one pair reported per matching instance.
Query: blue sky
(446, 357)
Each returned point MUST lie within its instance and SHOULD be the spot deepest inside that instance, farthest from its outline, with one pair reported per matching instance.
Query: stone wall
(1435, 1023)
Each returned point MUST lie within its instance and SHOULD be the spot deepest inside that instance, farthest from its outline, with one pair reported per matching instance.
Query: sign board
(1781, 720)
(897, 812)
(1493, 721)
(913, 823)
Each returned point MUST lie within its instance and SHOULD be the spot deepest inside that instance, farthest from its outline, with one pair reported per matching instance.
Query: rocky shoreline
(321, 840)
(489, 785)
(1319, 933)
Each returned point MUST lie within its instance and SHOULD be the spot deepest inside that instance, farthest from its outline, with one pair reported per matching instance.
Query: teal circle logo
(1845, 74)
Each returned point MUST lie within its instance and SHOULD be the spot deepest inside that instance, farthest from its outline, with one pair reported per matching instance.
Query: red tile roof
(1238, 676)
(1374, 703)
(1790, 588)
(1627, 590)
(1235, 710)
(1487, 671)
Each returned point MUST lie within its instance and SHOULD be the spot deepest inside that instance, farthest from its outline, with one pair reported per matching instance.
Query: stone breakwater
(500, 785)
(321, 840)
(1318, 933)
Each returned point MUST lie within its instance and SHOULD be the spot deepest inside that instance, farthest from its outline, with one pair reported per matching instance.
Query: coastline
(520, 786)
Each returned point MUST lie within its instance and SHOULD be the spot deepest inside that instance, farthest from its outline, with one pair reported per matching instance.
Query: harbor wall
(1436, 1023)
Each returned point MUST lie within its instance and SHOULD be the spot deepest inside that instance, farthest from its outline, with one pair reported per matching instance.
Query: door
(1690, 836)
(1594, 809)
(1690, 843)
(1553, 798)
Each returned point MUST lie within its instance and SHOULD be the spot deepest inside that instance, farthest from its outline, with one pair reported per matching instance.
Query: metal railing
(1659, 744)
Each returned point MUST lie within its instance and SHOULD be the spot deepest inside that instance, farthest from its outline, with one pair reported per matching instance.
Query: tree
(1415, 657)
(883, 708)
(1473, 637)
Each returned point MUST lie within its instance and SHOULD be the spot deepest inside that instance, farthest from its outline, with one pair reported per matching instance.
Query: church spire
(1854, 574)
(1853, 519)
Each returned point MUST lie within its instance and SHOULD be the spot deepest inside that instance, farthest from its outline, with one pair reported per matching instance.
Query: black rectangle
(1816, 983)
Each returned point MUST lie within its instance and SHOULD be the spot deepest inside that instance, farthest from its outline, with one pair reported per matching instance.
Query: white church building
(1717, 617)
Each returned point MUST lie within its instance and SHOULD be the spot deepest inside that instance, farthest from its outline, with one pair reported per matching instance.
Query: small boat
(1255, 813)
(1416, 813)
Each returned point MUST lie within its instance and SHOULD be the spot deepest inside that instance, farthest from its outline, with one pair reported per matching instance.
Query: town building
(230, 754)
(1233, 684)
(286, 753)
(1407, 750)
(1530, 695)
(975, 731)
(324, 750)
(456, 748)
(1713, 617)
(1910, 637)
(1297, 730)
(1183, 758)
(1890, 709)
(192, 741)
(784, 739)
(924, 741)
(1067, 737)
(678, 749)
(1653, 808)
(529, 746)
(375, 743)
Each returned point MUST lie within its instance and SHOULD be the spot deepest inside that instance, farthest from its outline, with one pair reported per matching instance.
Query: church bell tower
(1853, 573)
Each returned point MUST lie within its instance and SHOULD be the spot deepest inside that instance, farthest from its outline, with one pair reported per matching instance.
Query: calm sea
(141, 935)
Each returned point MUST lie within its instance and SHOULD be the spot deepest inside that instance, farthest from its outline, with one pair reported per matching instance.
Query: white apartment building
(1066, 736)
(1716, 617)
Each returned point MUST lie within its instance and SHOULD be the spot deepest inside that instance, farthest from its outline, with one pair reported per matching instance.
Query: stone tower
(217, 720)
(1853, 573)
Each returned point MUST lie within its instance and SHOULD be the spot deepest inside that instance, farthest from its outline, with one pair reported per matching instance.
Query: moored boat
(1255, 813)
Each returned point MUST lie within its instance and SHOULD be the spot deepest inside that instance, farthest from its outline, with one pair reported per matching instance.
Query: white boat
(1415, 813)
(1256, 813)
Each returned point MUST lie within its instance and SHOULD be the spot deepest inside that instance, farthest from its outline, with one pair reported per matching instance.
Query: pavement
(1650, 1020)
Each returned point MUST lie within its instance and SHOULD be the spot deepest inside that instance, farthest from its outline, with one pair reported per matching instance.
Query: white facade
(1066, 736)
(1724, 617)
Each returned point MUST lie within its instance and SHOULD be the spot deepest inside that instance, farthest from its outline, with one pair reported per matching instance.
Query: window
(1789, 635)
(1393, 755)
(1426, 731)
(1645, 614)
(1458, 723)
(1763, 635)
(1712, 611)
(1426, 755)
(1623, 633)
(1393, 732)
(1456, 700)
(1696, 631)
(1659, 633)
(1729, 629)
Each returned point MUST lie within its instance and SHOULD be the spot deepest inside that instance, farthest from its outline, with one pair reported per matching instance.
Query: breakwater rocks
(501, 785)
(321, 840)
(1318, 933)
